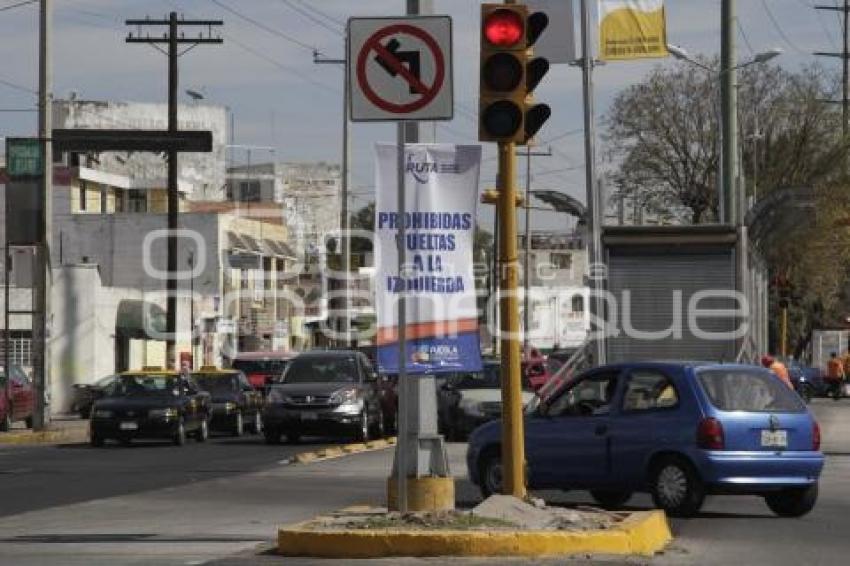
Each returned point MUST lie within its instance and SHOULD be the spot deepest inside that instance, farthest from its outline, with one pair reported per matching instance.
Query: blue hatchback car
(677, 430)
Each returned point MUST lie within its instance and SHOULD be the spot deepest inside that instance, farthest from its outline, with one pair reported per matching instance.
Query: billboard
(441, 190)
(632, 29)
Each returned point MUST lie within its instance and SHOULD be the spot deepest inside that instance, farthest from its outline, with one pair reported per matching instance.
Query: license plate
(129, 426)
(774, 438)
(309, 416)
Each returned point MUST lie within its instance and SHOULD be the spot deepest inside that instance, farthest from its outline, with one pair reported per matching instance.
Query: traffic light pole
(513, 446)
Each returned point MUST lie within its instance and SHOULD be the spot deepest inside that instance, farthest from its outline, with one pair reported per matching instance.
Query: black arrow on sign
(409, 57)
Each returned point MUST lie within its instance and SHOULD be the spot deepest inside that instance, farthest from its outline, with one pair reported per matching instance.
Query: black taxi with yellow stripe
(236, 404)
(151, 403)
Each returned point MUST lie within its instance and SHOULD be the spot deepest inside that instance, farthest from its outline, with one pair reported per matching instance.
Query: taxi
(236, 404)
(151, 403)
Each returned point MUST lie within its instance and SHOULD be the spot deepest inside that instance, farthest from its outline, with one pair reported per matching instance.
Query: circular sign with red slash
(399, 68)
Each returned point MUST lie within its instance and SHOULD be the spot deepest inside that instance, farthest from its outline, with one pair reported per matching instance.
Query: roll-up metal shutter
(645, 284)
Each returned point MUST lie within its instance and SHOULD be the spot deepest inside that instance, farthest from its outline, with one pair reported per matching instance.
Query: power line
(264, 27)
(321, 13)
(17, 5)
(744, 37)
(16, 86)
(781, 31)
(297, 8)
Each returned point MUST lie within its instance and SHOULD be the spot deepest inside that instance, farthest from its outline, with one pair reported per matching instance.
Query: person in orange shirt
(835, 375)
(777, 368)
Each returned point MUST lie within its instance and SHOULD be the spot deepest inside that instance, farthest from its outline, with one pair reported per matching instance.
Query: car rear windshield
(748, 390)
(218, 383)
(142, 385)
(272, 367)
(321, 370)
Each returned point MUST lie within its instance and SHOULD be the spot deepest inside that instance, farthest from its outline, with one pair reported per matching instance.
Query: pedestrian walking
(835, 376)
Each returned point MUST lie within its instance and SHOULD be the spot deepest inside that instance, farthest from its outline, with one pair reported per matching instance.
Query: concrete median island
(500, 526)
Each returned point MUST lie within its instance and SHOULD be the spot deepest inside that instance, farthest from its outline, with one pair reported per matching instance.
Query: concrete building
(108, 282)
(203, 174)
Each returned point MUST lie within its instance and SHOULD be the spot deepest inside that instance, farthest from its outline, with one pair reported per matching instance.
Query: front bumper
(314, 420)
(145, 428)
(753, 471)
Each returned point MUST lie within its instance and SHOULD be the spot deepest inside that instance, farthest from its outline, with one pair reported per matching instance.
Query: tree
(663, 139)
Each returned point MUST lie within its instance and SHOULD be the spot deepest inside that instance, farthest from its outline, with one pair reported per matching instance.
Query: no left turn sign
(400, 68)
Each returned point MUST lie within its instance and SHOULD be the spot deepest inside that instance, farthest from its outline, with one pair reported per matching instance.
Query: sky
(265, 74)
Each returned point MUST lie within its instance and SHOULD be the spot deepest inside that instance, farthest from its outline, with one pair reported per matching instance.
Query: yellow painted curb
(642, 533)
(42, 437)
(339, 451)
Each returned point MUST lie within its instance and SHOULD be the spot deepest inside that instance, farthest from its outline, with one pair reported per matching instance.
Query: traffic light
(509, 74)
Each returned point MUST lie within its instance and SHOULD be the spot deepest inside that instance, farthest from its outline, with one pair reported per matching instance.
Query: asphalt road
(40, 477)
(221, 503)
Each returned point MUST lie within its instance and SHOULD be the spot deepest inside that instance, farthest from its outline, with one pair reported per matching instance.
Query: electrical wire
(781, 31)
(298, 9)
(320, 13)
(16, 86)
(17, 5)
(264, 27)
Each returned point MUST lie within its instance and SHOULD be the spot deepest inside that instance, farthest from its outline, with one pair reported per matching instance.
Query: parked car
(16, 397)
(85, 394)
(235, 402)
(679, 431)
(262, 368)
(468, 399)
(325, 393)
(807, 381)
(151, 403)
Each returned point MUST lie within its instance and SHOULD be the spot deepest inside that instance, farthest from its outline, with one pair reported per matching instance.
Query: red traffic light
(503, 28)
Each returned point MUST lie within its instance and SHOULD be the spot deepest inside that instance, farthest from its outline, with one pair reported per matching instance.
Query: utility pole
(845, 65)
(344, 219)
(43, 278)
(729, 108)
(527, 260)
(173, 39)
(594, 215)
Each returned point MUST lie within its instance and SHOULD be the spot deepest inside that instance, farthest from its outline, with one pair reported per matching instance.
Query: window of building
(578, 303)
(20, 348)
(561, 260)
(137, 201)
(250, 191)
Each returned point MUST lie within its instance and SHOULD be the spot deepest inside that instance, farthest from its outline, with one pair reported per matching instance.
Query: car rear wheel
(793, 502)
(28, 422)
(238, 424)
(491, 473)
(378, 427)
(272, 436)
(203, 431)
(179, 438)
(96, 440)
(6, 421)
(293, 437)
(611, 499)
(676, 487)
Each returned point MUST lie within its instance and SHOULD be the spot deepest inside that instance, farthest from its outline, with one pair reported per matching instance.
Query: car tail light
(710, 434)
(815, 436)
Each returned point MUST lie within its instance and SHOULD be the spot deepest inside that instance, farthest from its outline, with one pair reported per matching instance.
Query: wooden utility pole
(173, 39)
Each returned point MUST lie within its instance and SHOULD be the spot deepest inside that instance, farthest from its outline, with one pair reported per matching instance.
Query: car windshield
(487, 379)
(104, 381)
(218, 383)
(321, 370)
(143, 385)
(272, 367)
(748, 390)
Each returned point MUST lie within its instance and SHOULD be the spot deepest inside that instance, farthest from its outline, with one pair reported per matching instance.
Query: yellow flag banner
(632, 29)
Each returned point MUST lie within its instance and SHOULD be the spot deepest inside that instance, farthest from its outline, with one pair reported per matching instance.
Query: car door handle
(601, 429)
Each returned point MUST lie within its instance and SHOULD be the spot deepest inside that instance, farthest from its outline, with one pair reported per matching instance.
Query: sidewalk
(64, 429)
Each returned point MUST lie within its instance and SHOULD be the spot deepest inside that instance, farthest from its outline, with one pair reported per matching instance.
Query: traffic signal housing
(509, 73)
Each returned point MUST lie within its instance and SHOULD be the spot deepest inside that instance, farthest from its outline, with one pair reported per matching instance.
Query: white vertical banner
(441, 188)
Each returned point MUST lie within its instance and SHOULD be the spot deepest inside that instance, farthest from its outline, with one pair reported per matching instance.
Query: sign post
(399, 70)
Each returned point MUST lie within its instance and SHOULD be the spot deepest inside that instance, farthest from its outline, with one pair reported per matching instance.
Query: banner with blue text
(441, 197)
